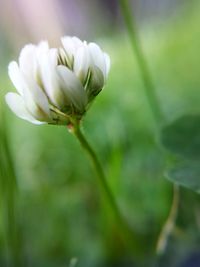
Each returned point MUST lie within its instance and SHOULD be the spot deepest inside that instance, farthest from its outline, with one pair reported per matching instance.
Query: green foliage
(182, 137)
(61, 213)
(186, 173)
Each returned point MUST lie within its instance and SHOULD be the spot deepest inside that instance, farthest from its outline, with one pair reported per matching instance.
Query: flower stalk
(169, 225)
(129, 235)
(141, 60)
(157, 113)
(99, 170)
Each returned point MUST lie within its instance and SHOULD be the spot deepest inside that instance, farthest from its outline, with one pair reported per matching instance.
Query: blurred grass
(11, 240)
(61, 212)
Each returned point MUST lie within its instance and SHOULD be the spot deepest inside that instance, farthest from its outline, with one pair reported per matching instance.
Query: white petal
(17, 105)
(16, 77)
(43, 47)
(97, 57)
(71, 45)
(36, 101)
(72, 88)
(50, 79)
(82, 61)
(107, 60)
(28, 61)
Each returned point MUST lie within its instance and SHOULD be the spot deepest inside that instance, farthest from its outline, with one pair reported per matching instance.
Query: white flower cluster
(56, 85)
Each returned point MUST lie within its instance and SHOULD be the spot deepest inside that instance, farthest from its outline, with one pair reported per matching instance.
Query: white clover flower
(56, 85)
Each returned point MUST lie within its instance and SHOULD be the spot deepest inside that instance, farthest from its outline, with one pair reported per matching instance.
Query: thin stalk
(102, 179)
(169, 224)
(128, 232)
(9, 198)
(157, 112)
(141, 60)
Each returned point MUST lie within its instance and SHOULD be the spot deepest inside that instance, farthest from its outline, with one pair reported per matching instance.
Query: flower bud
(56, 85)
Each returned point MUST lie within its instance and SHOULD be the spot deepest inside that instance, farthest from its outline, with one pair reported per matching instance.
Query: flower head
(57, 85)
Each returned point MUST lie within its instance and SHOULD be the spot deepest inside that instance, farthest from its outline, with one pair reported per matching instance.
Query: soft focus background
(57, 213)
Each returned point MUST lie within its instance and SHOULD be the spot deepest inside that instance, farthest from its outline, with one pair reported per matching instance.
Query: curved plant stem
(143, 67)
(170, 222)
(128, 232)
(157, 112)
(99, 170)
(9, 189)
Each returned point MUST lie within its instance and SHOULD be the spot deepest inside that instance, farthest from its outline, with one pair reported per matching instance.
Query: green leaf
(182, 136)
(187, 174)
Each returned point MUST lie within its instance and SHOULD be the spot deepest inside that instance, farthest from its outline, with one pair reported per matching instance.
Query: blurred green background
(51, 209)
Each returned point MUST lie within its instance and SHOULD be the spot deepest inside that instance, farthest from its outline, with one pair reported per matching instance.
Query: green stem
(99, 170)
(168, 227)
(157, 112)
(143, 67)
(128, 232)
(8, 182)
